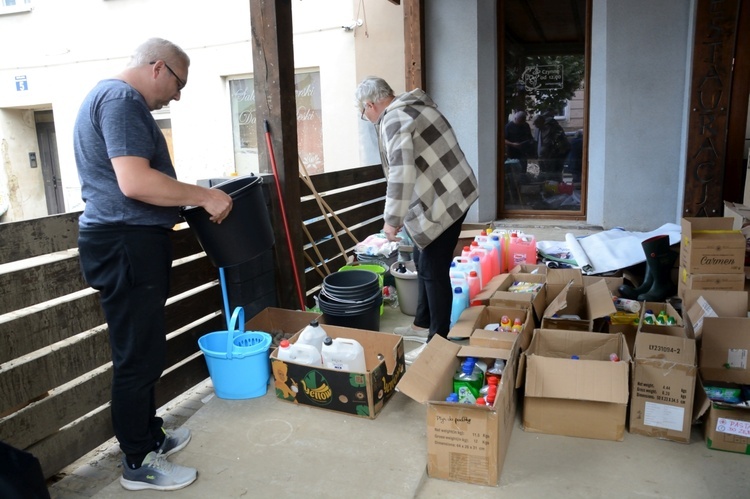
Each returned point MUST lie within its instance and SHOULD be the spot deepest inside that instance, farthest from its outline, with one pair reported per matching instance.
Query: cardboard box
(473, 320)
(724, 282)
(699, 304)
(280, 323)
(711, 246)
(529, 268)
(591, 304)
(723, 361)
(584, 397)
(502, 297)
(483, 297)
(359, 394)
(656, 307)
(465, 443)
(740, 215)
(663, 388)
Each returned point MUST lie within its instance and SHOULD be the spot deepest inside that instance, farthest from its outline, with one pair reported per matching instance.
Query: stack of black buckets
(351, 299)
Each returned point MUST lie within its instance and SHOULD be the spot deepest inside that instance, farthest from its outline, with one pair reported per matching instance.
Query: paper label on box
(737, 358)
(733, 427)
(708, 311)
(663, 416)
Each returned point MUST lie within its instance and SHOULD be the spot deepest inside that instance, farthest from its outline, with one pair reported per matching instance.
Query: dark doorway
(544, 68)
(49, 161)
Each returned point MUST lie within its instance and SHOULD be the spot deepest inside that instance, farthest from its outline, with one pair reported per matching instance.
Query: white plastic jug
(299, 353)
(344, 354)
(313, 334)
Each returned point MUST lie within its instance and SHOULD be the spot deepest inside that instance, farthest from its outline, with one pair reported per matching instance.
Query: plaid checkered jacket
(430, 183)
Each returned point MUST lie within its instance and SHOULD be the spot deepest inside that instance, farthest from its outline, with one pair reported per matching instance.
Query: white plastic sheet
(610, 250)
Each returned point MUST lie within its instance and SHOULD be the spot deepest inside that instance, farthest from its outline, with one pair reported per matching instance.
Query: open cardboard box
(359, 394)
(711, 245)
(535, 301)
(699, 304)
(472, 321)
(281, 323)
(465, 443)
(723, 361)
(663, 387)
(591, 304)
(583, 397)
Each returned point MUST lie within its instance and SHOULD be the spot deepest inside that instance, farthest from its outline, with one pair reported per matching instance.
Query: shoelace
(160, 463)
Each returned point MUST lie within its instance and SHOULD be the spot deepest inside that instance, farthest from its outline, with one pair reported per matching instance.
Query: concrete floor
(267, 448)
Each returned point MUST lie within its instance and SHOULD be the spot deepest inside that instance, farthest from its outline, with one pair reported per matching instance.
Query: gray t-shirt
(113, 121)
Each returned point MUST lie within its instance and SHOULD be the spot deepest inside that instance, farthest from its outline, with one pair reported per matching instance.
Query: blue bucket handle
(237, 315)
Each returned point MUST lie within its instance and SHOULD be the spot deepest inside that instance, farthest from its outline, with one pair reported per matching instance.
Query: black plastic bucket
(366, 316)
(352, 299)
(244, 234)
(352, 283)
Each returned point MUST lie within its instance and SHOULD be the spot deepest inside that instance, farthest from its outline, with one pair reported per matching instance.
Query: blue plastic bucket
(237, 360)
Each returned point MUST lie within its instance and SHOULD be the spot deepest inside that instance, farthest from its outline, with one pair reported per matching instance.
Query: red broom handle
(283, 216)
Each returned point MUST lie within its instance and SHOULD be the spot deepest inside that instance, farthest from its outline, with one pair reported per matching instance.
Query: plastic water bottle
(299, 353)
(313, 335)
(460, 302)
(344, 354)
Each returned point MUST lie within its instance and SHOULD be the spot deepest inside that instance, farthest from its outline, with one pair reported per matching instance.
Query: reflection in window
(543, 132)
(309, 123)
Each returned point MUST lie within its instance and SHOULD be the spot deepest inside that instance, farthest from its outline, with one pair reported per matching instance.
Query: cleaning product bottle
(495, 240)
(496, 371)
(313, 335)
(343, 354)
(299, 354)
(505, 325)
(477, 266)
(517, 327)
(473, 284)
(466, 384)
(460, 302)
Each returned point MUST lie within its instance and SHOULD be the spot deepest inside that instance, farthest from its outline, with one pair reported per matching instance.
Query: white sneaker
(411, 331)
(411, 355)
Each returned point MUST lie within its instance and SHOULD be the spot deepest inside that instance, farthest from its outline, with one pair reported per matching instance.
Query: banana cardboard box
(358, 393)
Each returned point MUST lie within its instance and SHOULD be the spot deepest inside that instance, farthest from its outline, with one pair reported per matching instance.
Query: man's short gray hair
(372, 89)
(155, 49)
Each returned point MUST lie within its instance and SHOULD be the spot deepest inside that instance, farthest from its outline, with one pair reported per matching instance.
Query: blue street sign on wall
(21, 84)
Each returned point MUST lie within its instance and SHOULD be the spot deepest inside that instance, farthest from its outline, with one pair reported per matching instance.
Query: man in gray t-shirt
(132, 197)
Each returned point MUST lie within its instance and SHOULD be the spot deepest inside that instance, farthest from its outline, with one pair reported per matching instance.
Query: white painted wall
(452, 80)
(639, 95)
(64, 49)
(639, 84)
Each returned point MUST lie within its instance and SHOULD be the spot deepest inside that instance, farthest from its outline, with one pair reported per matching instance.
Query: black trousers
(435, 294)
(130, 267)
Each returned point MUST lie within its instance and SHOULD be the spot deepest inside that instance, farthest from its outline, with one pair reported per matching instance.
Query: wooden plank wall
(357, 198)
(55, 369)
(54, 347)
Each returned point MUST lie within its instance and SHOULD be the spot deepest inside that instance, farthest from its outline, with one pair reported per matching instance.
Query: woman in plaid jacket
(430, 188)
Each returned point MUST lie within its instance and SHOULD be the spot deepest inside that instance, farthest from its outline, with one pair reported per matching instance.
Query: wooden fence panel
(55, 367)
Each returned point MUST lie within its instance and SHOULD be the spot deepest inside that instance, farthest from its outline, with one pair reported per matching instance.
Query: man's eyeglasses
(362, 116)
(180, 83)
